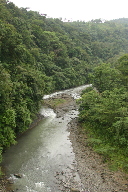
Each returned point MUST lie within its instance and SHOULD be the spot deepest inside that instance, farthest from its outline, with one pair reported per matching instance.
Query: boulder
(18, 175)
(74, 190)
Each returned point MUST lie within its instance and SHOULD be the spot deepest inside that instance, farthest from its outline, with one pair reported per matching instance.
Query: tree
(123, 67)
(106, 77)
(7, 113)
(106, 115)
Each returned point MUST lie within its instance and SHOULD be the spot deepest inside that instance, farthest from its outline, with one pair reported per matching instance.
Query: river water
(44, 155)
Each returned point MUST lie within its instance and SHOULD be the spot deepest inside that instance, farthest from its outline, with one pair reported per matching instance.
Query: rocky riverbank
(94, 173)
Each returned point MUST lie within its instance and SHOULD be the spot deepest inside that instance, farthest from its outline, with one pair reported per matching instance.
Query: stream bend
(44, 155)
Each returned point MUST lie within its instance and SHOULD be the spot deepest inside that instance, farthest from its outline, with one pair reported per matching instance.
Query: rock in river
(74, 190)
(18, 175)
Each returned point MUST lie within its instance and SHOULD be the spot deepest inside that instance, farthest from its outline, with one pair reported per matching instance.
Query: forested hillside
(104, 112)
(39, 55)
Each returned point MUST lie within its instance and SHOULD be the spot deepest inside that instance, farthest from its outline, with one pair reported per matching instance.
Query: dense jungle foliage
(104, 112)
(39, 55)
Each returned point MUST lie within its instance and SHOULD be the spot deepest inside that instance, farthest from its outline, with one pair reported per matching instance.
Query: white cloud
(78, 10)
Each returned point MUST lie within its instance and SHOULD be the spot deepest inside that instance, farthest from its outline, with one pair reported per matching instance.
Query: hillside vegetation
(39, 55)
(104, 112)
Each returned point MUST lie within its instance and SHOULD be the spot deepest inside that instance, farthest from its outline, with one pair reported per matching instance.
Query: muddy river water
(44, 155)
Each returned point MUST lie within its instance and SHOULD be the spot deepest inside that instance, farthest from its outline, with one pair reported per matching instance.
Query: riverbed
(45, 152)
(54, 155)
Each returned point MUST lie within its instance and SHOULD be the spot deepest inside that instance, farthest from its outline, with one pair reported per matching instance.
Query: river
(44, 155)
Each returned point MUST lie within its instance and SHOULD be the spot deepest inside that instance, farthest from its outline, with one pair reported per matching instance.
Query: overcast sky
(84, 10)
